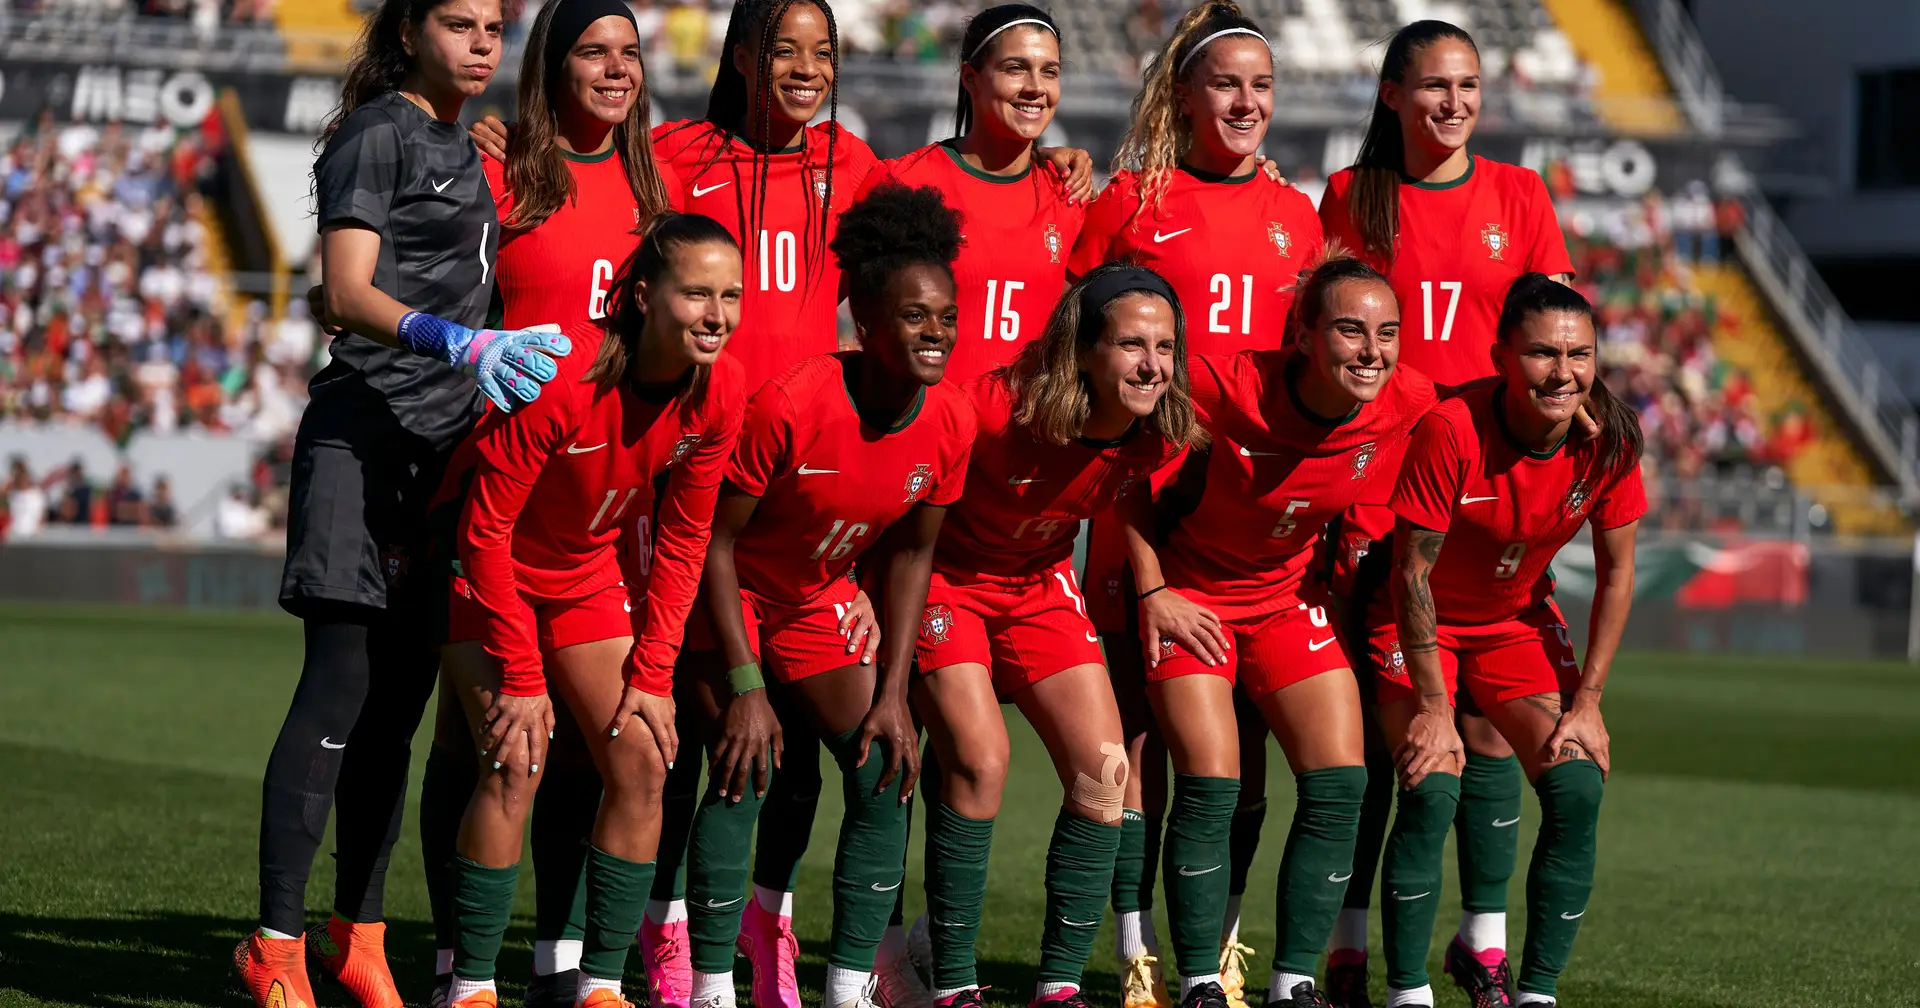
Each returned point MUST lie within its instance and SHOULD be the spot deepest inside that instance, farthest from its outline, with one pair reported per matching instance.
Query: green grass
(1759, 839)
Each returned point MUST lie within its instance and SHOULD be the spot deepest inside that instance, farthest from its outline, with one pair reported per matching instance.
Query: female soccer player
(1452, 232)
(1503, 477)
(1086, 413)
(1295, 432)
(843, 450)
(408, 235)
(575, 187)
(560, 516)
(1020, 219)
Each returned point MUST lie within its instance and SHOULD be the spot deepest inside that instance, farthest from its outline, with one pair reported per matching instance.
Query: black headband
(572, 18)
(1095, 296)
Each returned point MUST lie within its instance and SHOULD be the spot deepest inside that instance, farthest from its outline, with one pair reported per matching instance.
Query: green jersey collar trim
(1443, 186)
(959, 160)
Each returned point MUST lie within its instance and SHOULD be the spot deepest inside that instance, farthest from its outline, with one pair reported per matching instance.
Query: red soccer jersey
(1274, 478)
(1227, 245)
(782, 208)
(561, 505)
(1013, 258)
(1506, 510)
(1025, 498)
(561, 271)
(828, 484)
(1461, 245)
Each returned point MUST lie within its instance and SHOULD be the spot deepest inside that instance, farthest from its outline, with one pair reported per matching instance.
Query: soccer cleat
(1206, 995)
(767, 940)
(1141, 985)
(442, 991)
(274, 971)
(972, 997)
(1487, 985)
(478, 999)
(1069, 998)
(555, 990)
(355, 956)
(1233, 966)
(663, 947)
(1347, 982)
(1304, 995)
(897, 984)
(599, 997)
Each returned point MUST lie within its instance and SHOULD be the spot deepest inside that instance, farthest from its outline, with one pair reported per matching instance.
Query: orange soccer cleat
(600, 997)
(488, 998)
(274, 971)
(355, 956)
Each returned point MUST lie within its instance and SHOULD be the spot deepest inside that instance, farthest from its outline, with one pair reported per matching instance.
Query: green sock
(869, 860)
(1376, 808)
(563, 814)
(1487, 830)
(444, 793)
(678, 800)
(1411, 876)
(1130, 861)
(1080, 860)
(1560, 877)
(616, 900)
(1156, 831)
(1243, 841)
(957, 849)
(717, 856)
(786, 819)
(482, 902)
(1317, 864)
(1196, 858)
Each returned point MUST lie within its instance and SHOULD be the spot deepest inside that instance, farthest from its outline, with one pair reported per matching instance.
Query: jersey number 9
(1510, 560)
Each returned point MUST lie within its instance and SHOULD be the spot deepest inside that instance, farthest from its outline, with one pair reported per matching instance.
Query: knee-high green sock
(482, 902)
(616, 900)
(717, 855)
(1317, 864)
(1155, 832)
(868, 861)
(1130, 861)
(1410, 882)
(1196, 855)
(1376, 808)
(1487, 830)
(1080, 860)
(1243, 841)
(563, 814)
(1560, 876)
(786, 819)
(956, 852)
(678, 801)
(444, 793)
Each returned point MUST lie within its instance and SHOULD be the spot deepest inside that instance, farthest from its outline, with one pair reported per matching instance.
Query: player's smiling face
(910, 332)
(693, 306)
(800, 71)
(602, 72)
(1352, 347)
(1438, 98)
(1228, 101)
(1017, 86)
(455, 50)
(1549, 366)
(1128, 370)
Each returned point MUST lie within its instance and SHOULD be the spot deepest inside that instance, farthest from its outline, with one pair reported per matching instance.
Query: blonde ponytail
(1158, 137)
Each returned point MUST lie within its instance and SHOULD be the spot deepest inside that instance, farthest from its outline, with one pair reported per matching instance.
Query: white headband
(1181, 70)
(977, 50)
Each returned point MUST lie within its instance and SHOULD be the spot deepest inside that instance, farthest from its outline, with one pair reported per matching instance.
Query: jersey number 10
(783, 271)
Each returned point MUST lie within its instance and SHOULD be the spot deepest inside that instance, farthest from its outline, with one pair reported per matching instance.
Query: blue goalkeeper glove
(509, 366)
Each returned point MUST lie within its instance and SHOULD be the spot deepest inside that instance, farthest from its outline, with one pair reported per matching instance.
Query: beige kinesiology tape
(1106, 795)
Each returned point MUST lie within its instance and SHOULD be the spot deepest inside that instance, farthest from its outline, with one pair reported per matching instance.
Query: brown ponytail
(1620, 439)
(1374, 200)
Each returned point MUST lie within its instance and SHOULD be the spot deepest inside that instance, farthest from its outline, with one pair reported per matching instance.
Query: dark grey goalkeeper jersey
(415, 180)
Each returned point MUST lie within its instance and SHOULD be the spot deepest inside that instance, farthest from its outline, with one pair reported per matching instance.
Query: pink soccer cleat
(766, 939)
(663, 947)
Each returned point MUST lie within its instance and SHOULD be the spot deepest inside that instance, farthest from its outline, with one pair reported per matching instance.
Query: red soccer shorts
(790, 642)
(1499, 662)
(1267, 652)
(1023, 633)
(558, 623)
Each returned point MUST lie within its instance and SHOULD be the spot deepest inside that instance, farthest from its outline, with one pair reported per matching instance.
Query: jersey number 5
(1285, 526)
(838, 550)
(1451, 288)
(1222, 287)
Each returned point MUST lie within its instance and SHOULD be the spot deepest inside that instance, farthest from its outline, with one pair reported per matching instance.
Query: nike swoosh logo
(1339, 878)
(1476, 500)
(1203, 871)
(1017, 481)
(723, 904)
(877, 887)
(1567, 663)
(699, 191)
(1506, 822)
(329, 743)
(1158, 237)
(1568, 916)
(1415, 896)
(1317, 645)
(574, 449)
(804, 471)
(1255, 454)
(1069, 923)
(1093, 638)
(441, 187)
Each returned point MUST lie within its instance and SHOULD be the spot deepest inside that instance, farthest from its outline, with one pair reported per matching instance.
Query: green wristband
(745, 678)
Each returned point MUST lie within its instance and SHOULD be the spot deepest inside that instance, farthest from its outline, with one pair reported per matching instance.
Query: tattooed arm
(1432, 742)
(1581, 733)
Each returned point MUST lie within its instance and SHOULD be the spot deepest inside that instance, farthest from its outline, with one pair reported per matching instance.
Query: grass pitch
(1758, 841)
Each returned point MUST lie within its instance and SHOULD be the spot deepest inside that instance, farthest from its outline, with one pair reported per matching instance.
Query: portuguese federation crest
(820, 186)
(935, 624)
(1053, 243)
(1577, 498)
(1494, 237)
(1362, 456)
(918, 481)
(682, 447)
(1282, 241)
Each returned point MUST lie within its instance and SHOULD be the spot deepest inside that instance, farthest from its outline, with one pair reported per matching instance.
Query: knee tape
(1106, 796)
